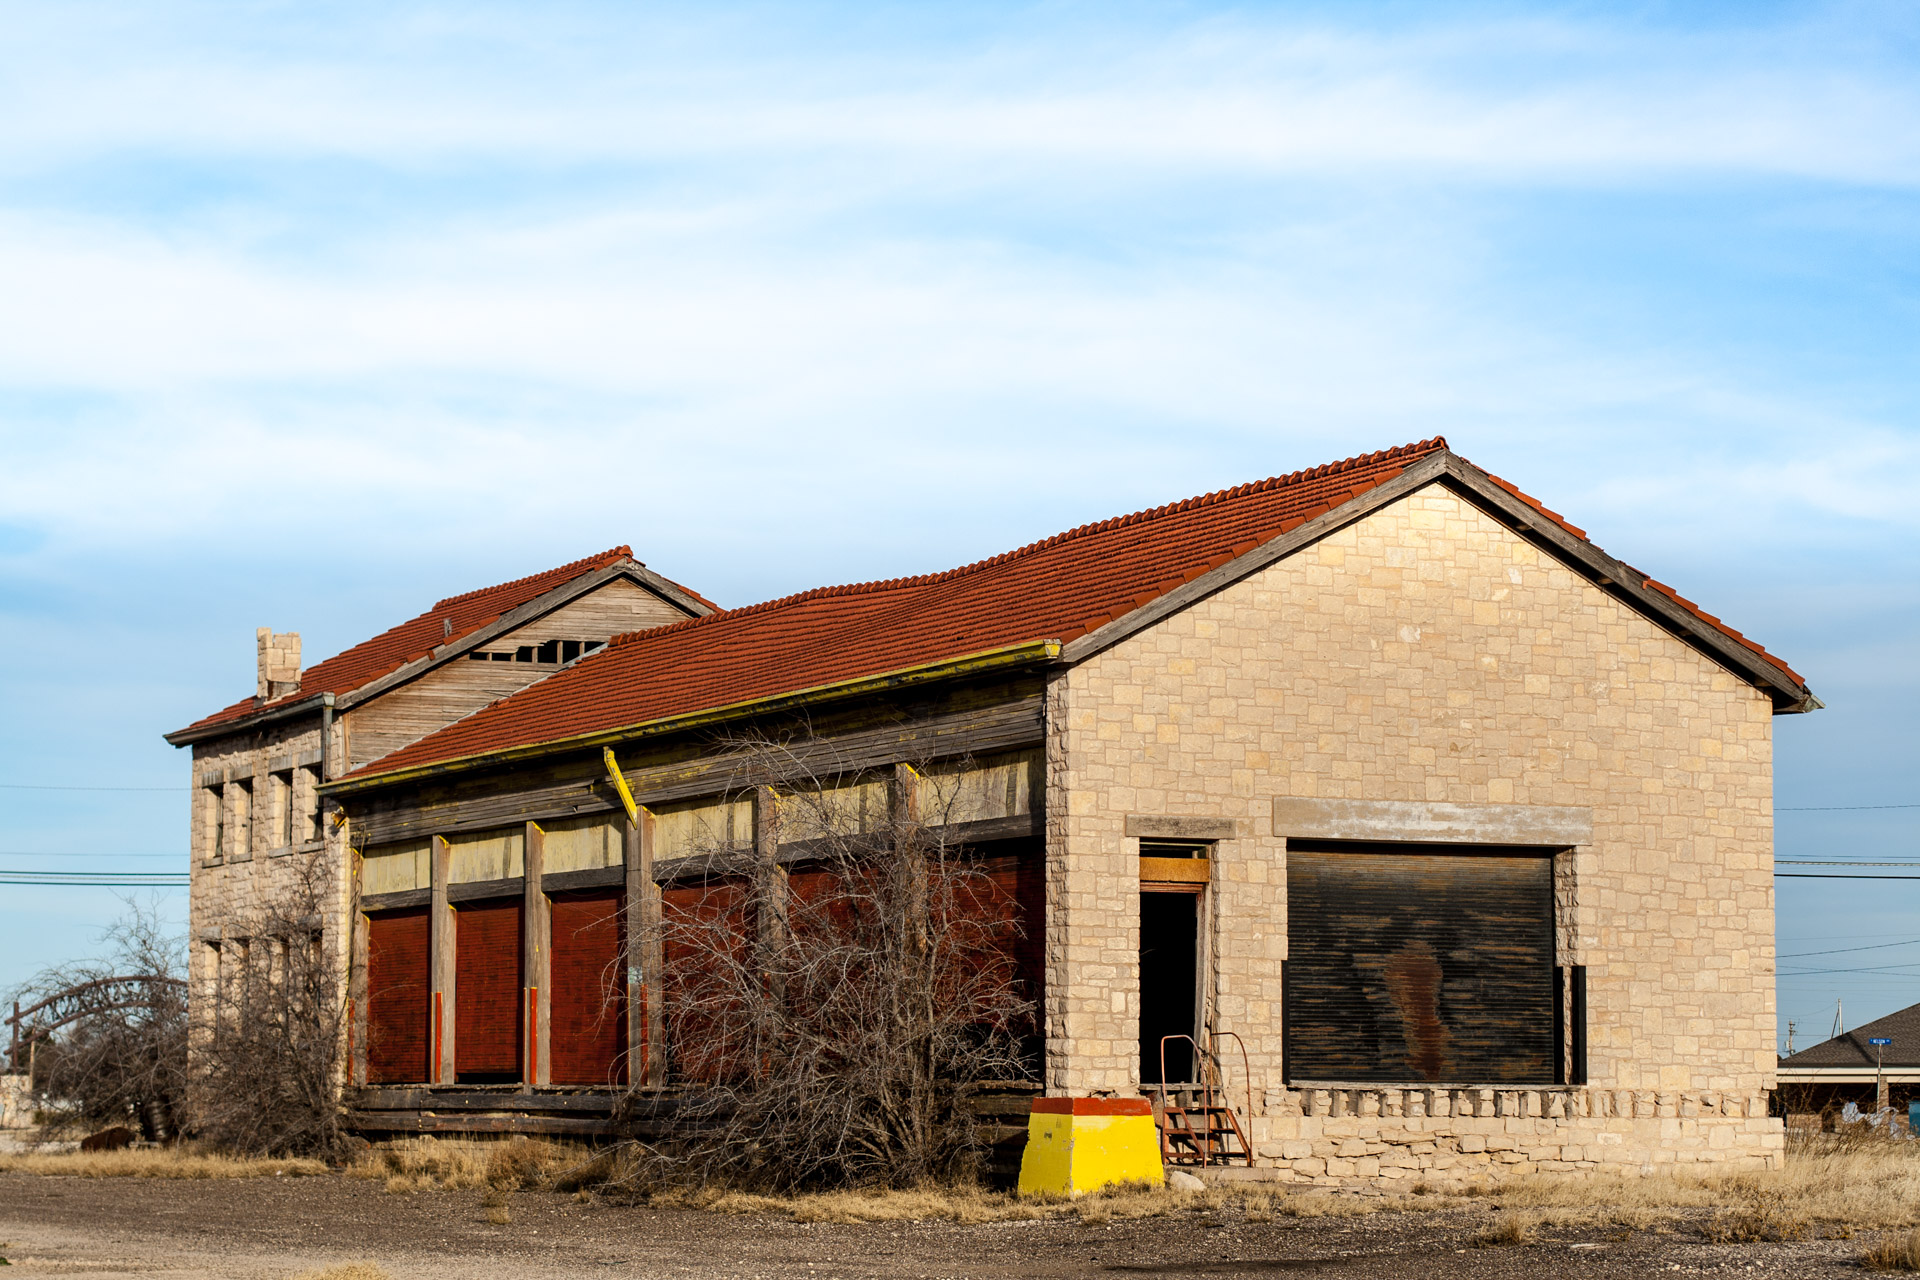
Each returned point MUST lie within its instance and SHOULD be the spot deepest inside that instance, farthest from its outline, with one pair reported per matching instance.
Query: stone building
(258, 819)
(1380, 774)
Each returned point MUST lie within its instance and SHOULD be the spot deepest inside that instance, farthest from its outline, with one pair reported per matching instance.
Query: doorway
(1169, 982)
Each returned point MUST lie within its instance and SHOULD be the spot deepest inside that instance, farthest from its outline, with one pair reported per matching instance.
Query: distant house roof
(447, 623)
(1851, 1051)
(1065, 588)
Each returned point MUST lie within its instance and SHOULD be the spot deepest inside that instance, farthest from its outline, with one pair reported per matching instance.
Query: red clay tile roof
(1057, 589)
(415, 638)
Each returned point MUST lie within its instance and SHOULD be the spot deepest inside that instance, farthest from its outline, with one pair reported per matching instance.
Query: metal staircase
(1197, 1124)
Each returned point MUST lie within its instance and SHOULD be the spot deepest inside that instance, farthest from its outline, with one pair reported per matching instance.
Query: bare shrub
(1507, 1229)
(128, 1058)
(269, 1038)
(1897, 1252)
(833, 1017)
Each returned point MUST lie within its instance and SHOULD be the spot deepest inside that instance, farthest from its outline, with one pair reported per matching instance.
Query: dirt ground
(273, 1228)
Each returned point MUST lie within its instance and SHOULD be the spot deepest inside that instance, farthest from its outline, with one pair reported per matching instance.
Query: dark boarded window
(1416, 963)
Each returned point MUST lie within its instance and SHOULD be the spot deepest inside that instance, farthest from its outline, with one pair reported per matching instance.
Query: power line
(1829, 862)
(99, 879)
(24, 853)
(1876, 946)
(41, 786)
(1833, 875)
(1840, 808)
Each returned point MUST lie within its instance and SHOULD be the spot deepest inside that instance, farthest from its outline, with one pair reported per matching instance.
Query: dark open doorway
(1169, 972)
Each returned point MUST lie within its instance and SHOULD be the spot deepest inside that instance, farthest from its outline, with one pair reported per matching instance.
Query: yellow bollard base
(1076, 1145)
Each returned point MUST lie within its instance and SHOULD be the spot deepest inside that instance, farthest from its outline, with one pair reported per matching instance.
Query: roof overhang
(295, 710)
(1035, 654)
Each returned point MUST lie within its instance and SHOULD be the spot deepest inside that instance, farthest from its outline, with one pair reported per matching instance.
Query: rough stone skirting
(1388, 1138)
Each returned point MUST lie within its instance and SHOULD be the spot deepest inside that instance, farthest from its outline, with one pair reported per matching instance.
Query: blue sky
(311, 315)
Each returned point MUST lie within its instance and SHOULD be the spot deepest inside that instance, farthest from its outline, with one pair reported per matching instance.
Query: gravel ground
(271, 1228)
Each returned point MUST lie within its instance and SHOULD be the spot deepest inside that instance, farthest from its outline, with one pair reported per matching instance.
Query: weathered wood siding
(462, 686)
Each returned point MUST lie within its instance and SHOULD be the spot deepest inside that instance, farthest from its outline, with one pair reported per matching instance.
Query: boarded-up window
(1411, 963)
(397, 1005)
(1020, 913)
(708, 934)
(589, 997)
(486, 1045)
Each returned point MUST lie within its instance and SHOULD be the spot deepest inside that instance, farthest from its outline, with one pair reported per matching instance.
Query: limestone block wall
(227, 893)
(1425, 653)
(1392, 1138)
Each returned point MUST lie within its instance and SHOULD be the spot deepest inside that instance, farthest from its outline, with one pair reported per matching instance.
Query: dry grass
(347, 1271)
(1899, 1252)
(968, 1205)
(155, 1162)
(1847, 1184)
(1757, 1222)
(516, 1164)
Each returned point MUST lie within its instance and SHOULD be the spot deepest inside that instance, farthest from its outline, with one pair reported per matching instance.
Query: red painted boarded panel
(487, 990)
(1020, 902)
(397, 997)
(589, 997)
(704, 1031)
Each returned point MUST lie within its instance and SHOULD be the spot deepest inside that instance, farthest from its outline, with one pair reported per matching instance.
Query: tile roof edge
(221, 722)
(1409, 452)
(586, 564)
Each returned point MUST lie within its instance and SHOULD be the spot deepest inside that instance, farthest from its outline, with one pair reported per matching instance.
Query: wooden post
(536, 963)
(441, 924)
(646, 960)
(770, 878)
(357, 987)
(904, 797)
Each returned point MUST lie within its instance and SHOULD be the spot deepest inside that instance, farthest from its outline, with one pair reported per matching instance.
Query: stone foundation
(1391, 1139)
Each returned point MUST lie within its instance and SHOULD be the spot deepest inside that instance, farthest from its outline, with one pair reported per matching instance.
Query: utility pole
(1838, 1025)
(1789, 1052)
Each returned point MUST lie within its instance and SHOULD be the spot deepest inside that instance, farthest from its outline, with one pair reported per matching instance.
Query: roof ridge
(621, 552)
(874, 587)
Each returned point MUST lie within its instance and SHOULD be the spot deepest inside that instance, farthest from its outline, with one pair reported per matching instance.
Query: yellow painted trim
(945, 669)
(620, 785)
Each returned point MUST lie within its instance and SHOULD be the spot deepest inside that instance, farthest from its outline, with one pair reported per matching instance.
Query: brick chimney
(279, 663)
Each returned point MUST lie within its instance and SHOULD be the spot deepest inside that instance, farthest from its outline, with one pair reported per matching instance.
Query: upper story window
(552, 653)
(280, 789)
(214, 820)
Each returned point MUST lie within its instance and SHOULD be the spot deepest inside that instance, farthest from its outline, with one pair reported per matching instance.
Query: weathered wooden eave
(1036, 653)
(1458, 475)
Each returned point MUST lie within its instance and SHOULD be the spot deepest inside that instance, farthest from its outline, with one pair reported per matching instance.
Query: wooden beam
(646, 960)
(536, 962)
(619, 784)
(1010, 725)
(441, 926)
(881, 686)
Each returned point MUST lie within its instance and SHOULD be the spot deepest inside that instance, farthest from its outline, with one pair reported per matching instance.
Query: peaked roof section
(1059, 589)
(1851, 1052)
(449, 620)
